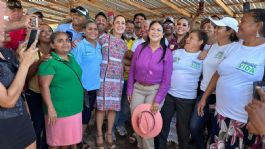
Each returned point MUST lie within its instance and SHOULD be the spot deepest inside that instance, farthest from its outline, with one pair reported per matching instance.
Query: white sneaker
(121, 130)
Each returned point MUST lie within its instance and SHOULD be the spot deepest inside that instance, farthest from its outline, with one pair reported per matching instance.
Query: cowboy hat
(145, 123)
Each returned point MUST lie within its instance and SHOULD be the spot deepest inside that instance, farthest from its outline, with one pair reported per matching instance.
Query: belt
(145, 84)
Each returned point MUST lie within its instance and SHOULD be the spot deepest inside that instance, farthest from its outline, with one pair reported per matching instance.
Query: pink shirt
(146, 68)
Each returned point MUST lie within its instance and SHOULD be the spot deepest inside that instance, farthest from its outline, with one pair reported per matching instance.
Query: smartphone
(34, 21)
(255, 93)
(32, 37)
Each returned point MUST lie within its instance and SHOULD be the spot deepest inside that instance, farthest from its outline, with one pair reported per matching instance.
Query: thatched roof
(57, 10)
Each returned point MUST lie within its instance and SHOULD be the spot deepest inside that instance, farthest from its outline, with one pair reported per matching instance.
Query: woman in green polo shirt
(62, 91)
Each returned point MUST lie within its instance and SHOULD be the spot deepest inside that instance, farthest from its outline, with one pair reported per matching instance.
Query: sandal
(110, 144)
(100, 145)
(132, 138)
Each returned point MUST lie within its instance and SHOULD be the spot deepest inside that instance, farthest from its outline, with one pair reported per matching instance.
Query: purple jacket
(147, 68)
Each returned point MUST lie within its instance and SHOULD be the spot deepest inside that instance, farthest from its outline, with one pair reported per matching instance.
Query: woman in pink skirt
(62, 91)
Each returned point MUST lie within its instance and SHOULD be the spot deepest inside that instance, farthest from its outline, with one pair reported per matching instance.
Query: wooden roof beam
(176, 8)
(71, 4)
(42, 6)
(94, 3)
(45, 12)
(221, 4)
(204, 14)
(56, 3)
(157, 13)
(230, 5)
(241, 4)
(51, 20)
(59, 3)
(153, 9)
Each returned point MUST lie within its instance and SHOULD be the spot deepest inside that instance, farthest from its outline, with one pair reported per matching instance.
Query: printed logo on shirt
(247, 67)
(88, 53)
(176, 60)
(196, 65)
(219, 55)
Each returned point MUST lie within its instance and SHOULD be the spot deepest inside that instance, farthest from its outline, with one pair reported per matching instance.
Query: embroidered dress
(111, 73)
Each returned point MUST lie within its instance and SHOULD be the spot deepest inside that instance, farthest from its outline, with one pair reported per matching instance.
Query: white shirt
(166, 42)
(214, 57)
(207, 47)
(187, 70)
(136, 43)
(238, 71)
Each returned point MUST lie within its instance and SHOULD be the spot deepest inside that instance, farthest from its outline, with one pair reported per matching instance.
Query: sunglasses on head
(13, 4)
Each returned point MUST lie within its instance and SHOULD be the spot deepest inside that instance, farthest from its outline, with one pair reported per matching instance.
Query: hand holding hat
(145, 123)
(154, 108)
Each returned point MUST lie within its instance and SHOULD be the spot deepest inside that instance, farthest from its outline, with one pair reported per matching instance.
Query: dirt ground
(121, 142)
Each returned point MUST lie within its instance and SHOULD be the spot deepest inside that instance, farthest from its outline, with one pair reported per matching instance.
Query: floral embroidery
(230, 133)
(235, 131)
(111, 73)
(218, 144)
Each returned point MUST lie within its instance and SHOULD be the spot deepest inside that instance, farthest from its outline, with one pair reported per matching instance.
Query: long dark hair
(259, 16)
(44, 24)
(233, 37)
(111, 31)
(54, 36)
(183, 40)
(202, 36)
(162, 41)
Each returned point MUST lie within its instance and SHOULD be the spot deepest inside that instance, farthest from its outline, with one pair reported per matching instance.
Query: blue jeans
(198, 123)
(123, 115)
(35, 104)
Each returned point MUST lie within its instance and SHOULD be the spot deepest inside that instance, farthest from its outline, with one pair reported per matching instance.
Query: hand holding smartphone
(34, 35)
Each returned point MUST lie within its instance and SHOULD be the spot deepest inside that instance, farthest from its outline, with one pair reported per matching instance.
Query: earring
(257, 35)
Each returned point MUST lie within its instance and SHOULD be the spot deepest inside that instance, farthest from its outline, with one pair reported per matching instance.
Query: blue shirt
(69, 27)
(89, 59)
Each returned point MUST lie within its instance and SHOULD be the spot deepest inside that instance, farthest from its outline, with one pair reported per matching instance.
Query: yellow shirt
(129, 45)
(33, 82)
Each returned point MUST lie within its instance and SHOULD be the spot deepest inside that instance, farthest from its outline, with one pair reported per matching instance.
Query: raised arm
(24, 23)
(9, 96)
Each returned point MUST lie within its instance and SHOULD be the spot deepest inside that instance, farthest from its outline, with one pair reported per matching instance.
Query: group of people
(200, 80)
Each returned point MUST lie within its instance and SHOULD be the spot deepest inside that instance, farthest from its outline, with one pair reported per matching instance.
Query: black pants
(183, 109)
(91, 97)
(35, 104)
